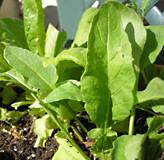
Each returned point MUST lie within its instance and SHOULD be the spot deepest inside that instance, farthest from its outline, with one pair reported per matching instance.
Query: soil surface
(16, 142)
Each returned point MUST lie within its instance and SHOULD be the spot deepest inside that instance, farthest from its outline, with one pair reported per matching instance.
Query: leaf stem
(77, 134)
(147, 110)
(144, 77)
(61, 126)
(78, 121)
(131, 122)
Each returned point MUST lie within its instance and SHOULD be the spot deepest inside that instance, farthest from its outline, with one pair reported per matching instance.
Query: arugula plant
(98, 76)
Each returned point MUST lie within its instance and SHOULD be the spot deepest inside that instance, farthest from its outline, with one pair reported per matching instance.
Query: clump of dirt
(16, 143)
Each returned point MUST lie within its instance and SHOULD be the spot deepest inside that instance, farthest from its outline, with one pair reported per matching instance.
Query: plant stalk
(60, 125)
(131, 122)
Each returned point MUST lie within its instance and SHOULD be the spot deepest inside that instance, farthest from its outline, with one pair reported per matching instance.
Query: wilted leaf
(41, 130)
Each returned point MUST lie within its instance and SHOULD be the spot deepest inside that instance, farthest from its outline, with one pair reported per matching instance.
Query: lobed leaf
(153, 45)
(133, 25)
(154, 91)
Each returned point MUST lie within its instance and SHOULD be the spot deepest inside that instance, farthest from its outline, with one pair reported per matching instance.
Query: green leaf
(8, 95)
(66, 150)
(34, 25)
(68, 90)
(54, 41)
(70, 63)
(144, 5)
(109, 78)
(12, 32)
(11, 116)
(17, 78)
(154, 91)
(68, 109)
(128, 148)
(41, 130)
(98, 132)
(84, 27)
(153, 45)
(154, 125)
(147, 5)
(36, 110)
(102, 148)
(103, 142)
(31, 67)
(158, 109)
(133, 25)
(3, 64)
(76, 55)
(95, 133)
(122, 126)
(155, 143)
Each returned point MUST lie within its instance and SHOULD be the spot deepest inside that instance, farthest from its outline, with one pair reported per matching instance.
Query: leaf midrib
(36, 73)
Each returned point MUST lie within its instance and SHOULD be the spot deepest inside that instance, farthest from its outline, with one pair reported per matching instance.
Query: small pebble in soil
(17, 144)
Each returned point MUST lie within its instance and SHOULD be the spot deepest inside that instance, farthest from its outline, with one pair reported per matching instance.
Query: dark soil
(16, 143)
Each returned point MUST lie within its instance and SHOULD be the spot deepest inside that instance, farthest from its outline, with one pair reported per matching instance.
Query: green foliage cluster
(96, 79)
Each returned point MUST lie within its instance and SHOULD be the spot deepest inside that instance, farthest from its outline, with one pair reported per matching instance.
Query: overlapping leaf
(76, 55)
(84, 27)
(68, 90)
(31, 67)
(133, 25)
(54, 41)
(66, 150)
(12, 32)
(154, 91)
(153, 46)
(109, 78)
(129, 148)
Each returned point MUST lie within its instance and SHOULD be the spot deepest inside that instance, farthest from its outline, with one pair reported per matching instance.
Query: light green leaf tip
(128, 148)
(154, 91)
(68, 90)
(66, 151)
